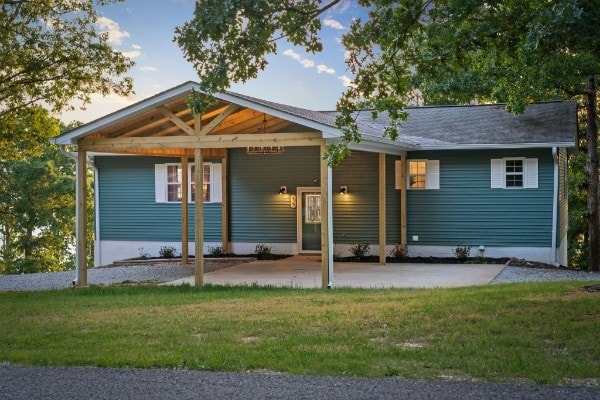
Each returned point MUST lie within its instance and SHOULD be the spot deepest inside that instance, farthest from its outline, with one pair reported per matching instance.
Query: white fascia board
(377, 146)
(327, 130)
(138, 108)
(496, 146)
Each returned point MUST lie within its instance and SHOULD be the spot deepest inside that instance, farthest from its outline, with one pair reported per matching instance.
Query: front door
(309, 220)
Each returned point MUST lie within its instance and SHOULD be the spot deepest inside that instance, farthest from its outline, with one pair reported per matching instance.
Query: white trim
(554, 205)
(541, 254)
(116, 250)
(432, 174)
(161, 182)
(493, 146)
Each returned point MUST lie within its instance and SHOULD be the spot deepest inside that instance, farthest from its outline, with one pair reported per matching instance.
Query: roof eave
(496, 146)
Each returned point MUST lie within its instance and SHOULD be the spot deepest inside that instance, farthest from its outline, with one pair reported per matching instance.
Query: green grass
(529, 332)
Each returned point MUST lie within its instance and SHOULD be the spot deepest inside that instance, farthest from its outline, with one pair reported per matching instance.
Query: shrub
(399, 251)
(360, 250)
(143, 254)
(461, 252)
(167, 252)
(216, 251)
(263, 252)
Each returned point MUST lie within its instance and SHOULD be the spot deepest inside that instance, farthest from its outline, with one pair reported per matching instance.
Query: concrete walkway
(305, 272)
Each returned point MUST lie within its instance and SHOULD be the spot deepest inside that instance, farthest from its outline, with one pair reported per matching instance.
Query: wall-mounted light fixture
(343, 190)
(282, 190)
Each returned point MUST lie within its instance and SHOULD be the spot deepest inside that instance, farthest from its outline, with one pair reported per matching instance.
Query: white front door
(309, 220)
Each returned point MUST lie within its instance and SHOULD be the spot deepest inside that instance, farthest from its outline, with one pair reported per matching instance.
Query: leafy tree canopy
(447, 51)
(50, 52)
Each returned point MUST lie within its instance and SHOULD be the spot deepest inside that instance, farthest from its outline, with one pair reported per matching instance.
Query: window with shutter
(514, 173)
(168, 182)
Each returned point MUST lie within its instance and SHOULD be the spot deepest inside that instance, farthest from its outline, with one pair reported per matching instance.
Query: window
(514, 173)
(169, 181)
(420, 174)
(417, 174)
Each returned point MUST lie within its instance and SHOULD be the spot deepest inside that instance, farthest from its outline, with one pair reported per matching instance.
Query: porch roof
(164, 125)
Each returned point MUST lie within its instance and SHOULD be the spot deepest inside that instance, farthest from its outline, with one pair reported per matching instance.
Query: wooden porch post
(382, 209)
(403, 222)
(81, 222)
(184, 210)
(199, 217)
(326, 228)
(224, 205)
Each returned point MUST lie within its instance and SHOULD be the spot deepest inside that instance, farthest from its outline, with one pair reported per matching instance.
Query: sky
(144, 30)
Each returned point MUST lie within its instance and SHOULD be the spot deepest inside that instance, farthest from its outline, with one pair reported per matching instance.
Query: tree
(50, 52)
(446, 51)
(37, 207)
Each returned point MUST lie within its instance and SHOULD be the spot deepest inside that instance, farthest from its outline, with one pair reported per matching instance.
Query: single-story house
(456, 175)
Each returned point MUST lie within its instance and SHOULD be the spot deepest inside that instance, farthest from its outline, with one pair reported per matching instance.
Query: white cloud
(293, 54)
(326, 69)
(99, 107)
(346, 81)
(306, 63)
(149, 69)
(332, 23)
(112, 28)
(132, 54)
(136, 46)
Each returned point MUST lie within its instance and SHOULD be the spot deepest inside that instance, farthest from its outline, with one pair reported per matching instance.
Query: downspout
(97, 254)
(554, 206)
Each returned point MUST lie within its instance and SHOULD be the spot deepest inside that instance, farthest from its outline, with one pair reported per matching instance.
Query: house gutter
(554, 206)
(97, 254)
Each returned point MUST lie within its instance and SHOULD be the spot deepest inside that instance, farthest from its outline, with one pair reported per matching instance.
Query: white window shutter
(432, 180)
(398, 174)
(160, 183)
(216, 183)
(531, 173)
(498, 176)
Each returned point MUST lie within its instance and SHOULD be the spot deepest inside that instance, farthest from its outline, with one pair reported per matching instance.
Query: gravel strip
(522, 274)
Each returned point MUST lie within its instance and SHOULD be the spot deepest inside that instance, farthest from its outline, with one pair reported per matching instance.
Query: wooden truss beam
(176, 120)
(218, 119)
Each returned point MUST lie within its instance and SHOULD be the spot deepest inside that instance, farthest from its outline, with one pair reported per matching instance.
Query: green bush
(167, 252)
(263, 252)
(360, 250)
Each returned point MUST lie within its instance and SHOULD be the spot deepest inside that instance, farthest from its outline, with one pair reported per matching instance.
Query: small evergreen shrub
(216, 251)
(263, 252)
(399, 252)
(167, 252)
(360, 250)
(461, 252)
(143, 254)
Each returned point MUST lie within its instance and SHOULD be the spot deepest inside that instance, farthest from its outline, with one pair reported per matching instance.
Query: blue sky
(144, 30)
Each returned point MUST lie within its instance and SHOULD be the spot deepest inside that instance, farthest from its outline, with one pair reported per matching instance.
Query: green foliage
(143, 254)
(216, 251)
(263, 252)
(360, 250)
(167, 251)
(462, 252)
(37, 206)
(51, 51)
(399, 252)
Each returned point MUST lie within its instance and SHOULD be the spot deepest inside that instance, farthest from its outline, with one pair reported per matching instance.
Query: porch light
(343, 190)
(282, 190)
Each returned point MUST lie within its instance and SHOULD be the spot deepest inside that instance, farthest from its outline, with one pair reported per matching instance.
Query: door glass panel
(311, 221)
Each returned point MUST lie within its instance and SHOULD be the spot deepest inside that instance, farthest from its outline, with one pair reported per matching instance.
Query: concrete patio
(305, 272)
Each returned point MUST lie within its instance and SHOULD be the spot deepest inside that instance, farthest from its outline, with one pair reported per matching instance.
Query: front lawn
(527, 332)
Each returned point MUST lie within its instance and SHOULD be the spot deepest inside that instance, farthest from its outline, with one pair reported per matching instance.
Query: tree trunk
(592, 170)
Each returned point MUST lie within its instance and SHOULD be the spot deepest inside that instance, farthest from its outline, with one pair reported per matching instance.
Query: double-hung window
(169, 181)
(420, 174)
(514, 173)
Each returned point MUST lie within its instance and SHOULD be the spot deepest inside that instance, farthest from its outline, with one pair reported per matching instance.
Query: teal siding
(356, 215)
(257, 213)
(563, 195)
(128, 210)
(466, 210)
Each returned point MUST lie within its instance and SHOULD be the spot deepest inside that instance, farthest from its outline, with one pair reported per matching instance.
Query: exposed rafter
(218, 119)
(176, 120)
